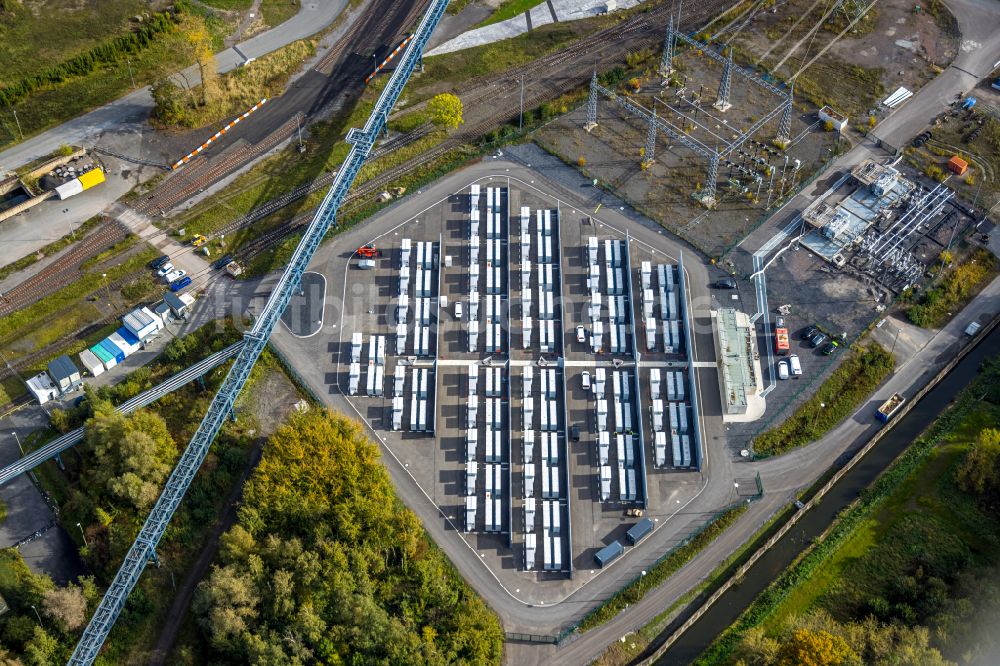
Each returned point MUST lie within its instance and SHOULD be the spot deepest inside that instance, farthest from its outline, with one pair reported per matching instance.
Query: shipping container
(633, 490)
(527, 378)
(660, 448)
(473, 336)
(529, 514)
(404, 254)
(616, 259)
(379, 380)
(529, 447)
(470, 514)
(639, 531)
(353, 379)
(414, 412)
(599, 378)
(675, 441)
(679, 382)
(888, 409)
(654, 383)
(553, 473)
(529, 552)
(685, 451)
(608, 554)
(397, 413)
(615, 347)
(556, 553)
(356, 347)
(602, 415)
(526, 332)
(91, 363)
(491, 522)
(603, 444)
(529, 480)
(471, 444)
(671, 306)
(107, 359)
(551, 335)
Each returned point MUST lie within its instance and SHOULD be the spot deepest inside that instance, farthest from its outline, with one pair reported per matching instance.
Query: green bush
(959, 283)
(839, 395)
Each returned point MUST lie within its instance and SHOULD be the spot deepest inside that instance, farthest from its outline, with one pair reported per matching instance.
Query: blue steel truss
(144, 548)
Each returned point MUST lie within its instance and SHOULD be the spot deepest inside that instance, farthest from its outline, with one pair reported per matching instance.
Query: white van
(793, 360)
(585, 379)
(458, 309)
(366, 264)
(782, 369)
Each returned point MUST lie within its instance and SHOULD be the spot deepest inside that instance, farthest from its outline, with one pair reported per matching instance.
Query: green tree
(134, 454)
(42, 649)
(979, 472)
(446, 110)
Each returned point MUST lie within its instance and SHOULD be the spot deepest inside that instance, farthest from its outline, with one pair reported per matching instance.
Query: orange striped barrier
(388, 58)
(187, 158)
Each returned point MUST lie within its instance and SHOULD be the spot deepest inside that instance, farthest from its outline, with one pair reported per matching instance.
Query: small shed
(91, 363)
(43, 388)
(143, 323)
(106, 358)
(837, 120)
(64, 373)
(176, 304)
(957, 165)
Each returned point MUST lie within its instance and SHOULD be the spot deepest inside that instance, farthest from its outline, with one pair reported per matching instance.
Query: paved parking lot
(503, 499)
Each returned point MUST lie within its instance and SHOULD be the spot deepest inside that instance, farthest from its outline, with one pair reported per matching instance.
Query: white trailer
(602, 415)
(526, 332)
(597, 337)
(592, 250)
(529, 513)
(379, 380)
(370, 379)
(646, 272)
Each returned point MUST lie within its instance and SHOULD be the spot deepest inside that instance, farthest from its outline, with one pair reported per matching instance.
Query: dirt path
(276, 397)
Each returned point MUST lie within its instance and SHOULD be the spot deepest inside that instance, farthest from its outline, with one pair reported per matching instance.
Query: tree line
(103, 55)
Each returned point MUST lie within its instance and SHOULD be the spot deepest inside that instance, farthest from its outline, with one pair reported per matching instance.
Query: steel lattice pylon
(667, 60)
(144, 547)
(785, 124)
(650, 147)
(722, 104)
(592, 104)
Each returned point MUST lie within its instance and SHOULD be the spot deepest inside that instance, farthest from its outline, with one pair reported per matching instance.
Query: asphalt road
(979, 22)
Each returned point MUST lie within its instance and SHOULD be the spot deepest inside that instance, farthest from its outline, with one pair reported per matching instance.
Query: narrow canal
(767, 568)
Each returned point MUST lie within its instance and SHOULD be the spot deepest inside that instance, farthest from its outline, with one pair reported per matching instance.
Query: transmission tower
(650, 146)
(592, 104)
(667, 61)
(722, 104)
(785, 124)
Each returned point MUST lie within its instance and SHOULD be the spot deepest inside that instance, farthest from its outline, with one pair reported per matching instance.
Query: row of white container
(376, 348)
(494, 336)
(423, 310)
(550, 481)
(425, 254)
(494, 446)
(681, 449)
(548, 411)
(676, 413)
(494, 415)
(494, 382)
(493, 492)
(494, 278)
(549, 387)
(550, 447)
(548, 342)
(618, 335)
(551, 547)
(546, 281)
(623, 415)
(625, 449)
(628, 491)
(492, 198)
(612, 251)
(674, 380)
(493, 479)
(551, 539)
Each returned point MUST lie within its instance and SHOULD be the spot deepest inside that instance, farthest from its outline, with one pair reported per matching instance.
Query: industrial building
(739, 368)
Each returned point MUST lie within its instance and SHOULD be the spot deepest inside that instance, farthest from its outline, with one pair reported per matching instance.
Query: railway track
(188, 181)
(63, 270)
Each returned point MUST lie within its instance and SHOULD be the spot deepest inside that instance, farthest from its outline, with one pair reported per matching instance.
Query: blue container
(112, 348)
(128, 336)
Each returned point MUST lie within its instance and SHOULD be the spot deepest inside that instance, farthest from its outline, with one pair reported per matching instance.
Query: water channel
(767, 568)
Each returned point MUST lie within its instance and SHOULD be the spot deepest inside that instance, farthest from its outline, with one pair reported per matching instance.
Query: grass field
(510, 9)
(914, 552)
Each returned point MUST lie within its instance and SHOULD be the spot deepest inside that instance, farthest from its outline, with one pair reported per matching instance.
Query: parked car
(574, 433)
(221, 262)
(831, 347)
(177, 285)
(817, 339)
(164, 269)
(585, 380)
(782, 369)
(458, 309)
(159, 261)
(796, 366)
(726, 283)
(809, 331)
(581, 335)
(174, 275)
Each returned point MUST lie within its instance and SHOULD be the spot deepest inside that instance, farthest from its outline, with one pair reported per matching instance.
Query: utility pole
(18, 440)
(83, 535)
(18, 122)
(104, 278)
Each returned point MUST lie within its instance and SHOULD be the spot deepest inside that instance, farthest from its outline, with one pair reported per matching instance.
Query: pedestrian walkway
(550, 11)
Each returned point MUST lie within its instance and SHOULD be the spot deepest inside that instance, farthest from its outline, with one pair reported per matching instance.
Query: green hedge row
(106, 54)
